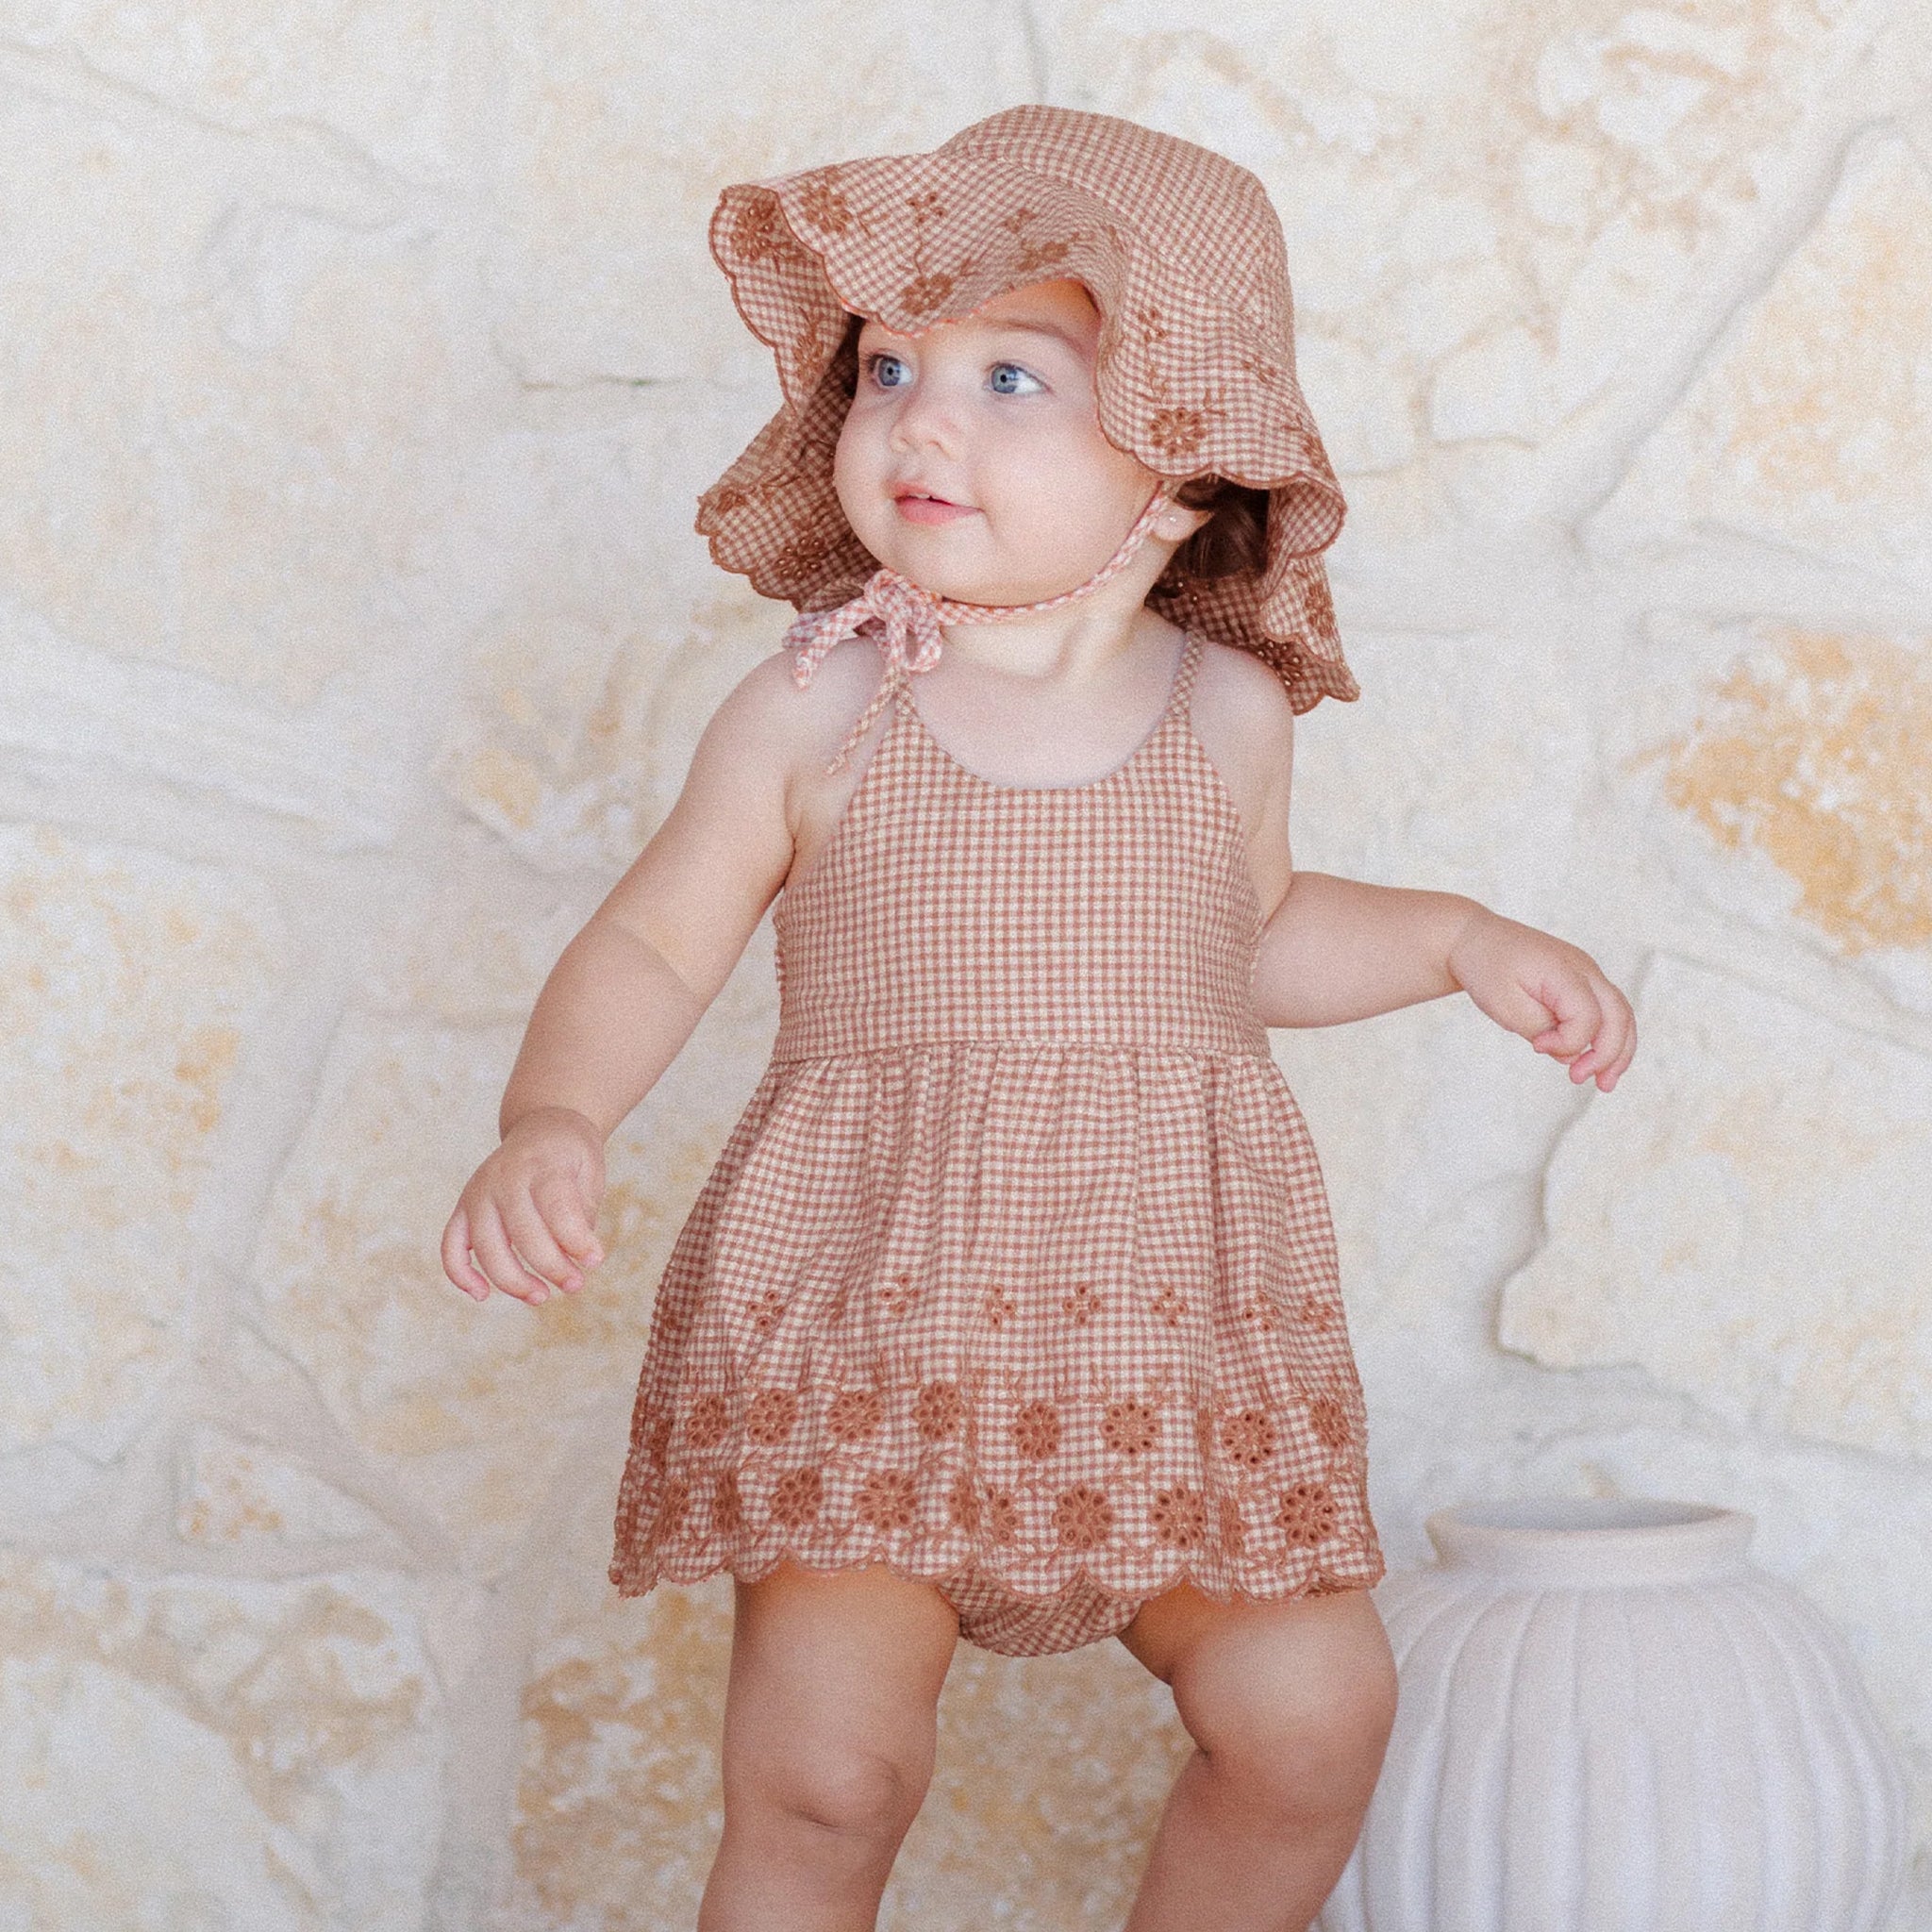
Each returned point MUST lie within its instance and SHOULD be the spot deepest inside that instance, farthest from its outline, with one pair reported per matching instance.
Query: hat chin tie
(903, 614)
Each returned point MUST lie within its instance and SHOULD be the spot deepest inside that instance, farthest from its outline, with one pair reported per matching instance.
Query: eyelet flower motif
(802, 556)
(926, 206)
(1083, 1518)
(1305, 1513)
(727, 1505)
(888, 1499)
(962, 1502)
(924, 293)
(1039, 254)
(657, 1437)
(1330, 1422)
(937, 1410)
(1150, 325)
(672, 1504)
(1001, 1518)
(1263, 1312)
(856, 1413)
(771, 1415)
(824, 208)
(1170, 1306)
(1181, 1516)
(796, 1495)
(766, 1310)
(900, 1296)
(1129, 1427)
(760, 232)
(1037, 1430)
(704, 1426)
(1317, 1312)
(1083, 1304)
(1177, 430)
(1248, 1436)
(997, 1306)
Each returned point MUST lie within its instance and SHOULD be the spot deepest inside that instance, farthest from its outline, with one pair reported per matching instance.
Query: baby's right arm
(626, 992)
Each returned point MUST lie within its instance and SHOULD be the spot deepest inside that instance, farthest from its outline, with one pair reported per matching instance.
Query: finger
(1578, 1017)
(536, 1247)
(490, 1244)
(456, 1257)
(561, 1205)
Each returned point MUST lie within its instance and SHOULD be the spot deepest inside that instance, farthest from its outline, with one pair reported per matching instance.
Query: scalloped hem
(999, 1616)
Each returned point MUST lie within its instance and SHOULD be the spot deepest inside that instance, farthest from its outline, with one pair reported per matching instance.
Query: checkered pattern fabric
(1195, 374)
(1016, 1272)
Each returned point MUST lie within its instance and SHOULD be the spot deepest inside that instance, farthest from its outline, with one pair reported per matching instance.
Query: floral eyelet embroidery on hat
(824, 207)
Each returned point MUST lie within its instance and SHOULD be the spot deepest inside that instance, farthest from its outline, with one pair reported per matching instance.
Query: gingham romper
(1016, 1272)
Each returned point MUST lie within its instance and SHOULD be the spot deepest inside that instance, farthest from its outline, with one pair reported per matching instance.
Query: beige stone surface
(182, 1752)
(129, 985)
(1752, 1227)
(1812, 425)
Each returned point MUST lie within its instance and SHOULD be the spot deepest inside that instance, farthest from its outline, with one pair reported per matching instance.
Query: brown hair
(1233, 541)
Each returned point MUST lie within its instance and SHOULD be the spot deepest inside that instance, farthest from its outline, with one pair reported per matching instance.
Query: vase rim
(1572, 1541)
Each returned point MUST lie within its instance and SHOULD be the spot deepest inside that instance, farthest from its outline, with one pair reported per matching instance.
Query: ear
(1179, 521)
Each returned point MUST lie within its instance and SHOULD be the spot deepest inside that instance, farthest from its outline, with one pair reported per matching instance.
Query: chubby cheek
(855, 477)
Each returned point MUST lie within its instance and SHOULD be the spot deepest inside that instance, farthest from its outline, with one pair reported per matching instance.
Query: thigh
(846, 1664)
(1247, 1675)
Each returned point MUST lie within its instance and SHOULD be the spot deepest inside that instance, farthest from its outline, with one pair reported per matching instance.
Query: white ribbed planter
(1610, 1721)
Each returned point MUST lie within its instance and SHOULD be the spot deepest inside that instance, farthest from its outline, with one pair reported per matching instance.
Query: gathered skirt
(1053, 1327)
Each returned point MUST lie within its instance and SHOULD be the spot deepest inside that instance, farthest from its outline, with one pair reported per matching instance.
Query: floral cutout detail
(998, 1306)
(888, 1499)
(1031, 256)
(1263, 1312)
(1083, 1304)
(823, 207)
(1329, 1420)
(657, 1437)
(856, 1413)
(710, 1417)
(1248, 1436)
(1129, 1427)
(1083, 1516)
(900, 1296)
(1037, 1430)
(1168, 1306)
(1305, 1513)
(767, 1310)
(930, 288)
(1181, 1516)
(796, 1495)
(771, 1415)
(937, 1410)
(1316, 1313)
(672, 1506)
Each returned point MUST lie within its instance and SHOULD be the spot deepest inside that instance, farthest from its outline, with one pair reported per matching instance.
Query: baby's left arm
(1337, 949)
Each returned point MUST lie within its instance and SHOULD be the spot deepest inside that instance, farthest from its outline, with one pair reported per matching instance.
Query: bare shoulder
(786, 727)
(1242, 717)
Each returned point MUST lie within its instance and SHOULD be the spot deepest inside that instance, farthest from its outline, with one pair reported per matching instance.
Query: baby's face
(994, 415)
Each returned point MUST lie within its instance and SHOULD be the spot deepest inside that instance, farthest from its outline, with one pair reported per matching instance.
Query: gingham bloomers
(1016, 1272)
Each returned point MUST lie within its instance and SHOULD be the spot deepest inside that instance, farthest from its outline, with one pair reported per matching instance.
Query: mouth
(919, 506)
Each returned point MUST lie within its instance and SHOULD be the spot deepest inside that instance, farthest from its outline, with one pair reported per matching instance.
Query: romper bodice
(1119, 913)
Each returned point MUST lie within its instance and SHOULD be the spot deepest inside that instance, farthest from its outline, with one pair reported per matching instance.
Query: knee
(850, 1790)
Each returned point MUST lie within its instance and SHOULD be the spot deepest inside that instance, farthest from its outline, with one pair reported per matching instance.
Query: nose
(925, 419)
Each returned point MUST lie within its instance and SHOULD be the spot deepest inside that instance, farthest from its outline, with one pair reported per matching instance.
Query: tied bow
(903, 612)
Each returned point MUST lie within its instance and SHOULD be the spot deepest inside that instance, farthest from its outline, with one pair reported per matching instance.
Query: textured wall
(363, 360)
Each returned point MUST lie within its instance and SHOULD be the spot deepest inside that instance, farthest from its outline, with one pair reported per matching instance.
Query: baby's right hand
(527, 1221)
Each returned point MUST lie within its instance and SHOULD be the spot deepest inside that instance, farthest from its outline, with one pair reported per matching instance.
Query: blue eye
(871, 368)
(1000, 369)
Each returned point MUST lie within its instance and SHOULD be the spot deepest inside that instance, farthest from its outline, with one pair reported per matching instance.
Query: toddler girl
(1011, 1308)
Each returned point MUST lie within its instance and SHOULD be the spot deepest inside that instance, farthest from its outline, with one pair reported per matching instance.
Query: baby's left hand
(1551, 993)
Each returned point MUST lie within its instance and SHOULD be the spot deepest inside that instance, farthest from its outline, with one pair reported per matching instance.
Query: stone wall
(363, 360)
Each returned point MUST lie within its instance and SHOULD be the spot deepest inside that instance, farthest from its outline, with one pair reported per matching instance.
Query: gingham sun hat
(1182, 254)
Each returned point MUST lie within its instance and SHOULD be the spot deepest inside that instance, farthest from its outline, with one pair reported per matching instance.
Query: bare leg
(830, 1732)
(1290, 1707)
